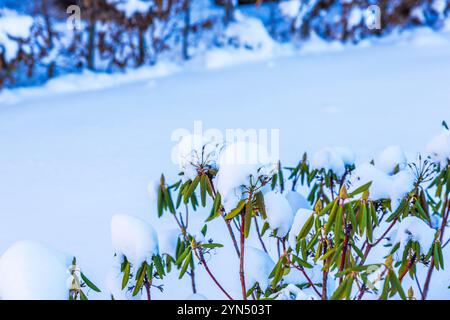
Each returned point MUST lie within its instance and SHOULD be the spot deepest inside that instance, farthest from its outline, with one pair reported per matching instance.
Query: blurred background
(42, 39)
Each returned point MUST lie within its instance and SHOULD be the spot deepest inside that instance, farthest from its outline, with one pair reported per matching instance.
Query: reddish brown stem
(241, 258)
(426, 286)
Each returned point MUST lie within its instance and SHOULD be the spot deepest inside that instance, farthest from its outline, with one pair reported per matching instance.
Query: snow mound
(415, 229)
(439, 147)
(244, 40)
(383, 185)
(335, 159)
(391, 158)
(300, 219)
(279, 213)
(237, 162)
(249, 33)
(131, 7)
(33, 271)
(257, 265)
(297, 201)
(14, 25)
(133, 238)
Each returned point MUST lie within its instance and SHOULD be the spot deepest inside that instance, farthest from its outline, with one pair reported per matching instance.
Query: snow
(328, 159)
(196, 296)
(237, 163)
(194, 150)
(439, 6)
(292, 292)
(14, 25)
(383, 185)
(133, 238)
(71, 160)
(168, 240)
(33, 271)
(297, 201)
(290, 8)
(244, 40)
(131, 7)
(415, 229)
(279, 213)
(300, 219)
(355, 18)
(391, 157)
(113, 284)
(153, 189)
(439, 147)
(257, 265)
(88, 81)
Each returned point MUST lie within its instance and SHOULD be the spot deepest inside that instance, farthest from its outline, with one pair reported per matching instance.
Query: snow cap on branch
(279, 213)
(133, 238)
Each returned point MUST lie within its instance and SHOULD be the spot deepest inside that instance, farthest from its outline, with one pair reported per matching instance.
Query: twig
(241, 258)
(260, 237)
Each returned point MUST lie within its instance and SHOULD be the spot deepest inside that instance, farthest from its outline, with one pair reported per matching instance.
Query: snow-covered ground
(71, 159)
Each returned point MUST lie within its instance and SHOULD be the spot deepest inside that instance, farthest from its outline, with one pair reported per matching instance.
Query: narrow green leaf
(89, 283)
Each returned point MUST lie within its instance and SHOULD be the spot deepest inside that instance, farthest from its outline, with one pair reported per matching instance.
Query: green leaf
(191, 189)
(185, 265)
(159, 266)
(340, 292)
(211, 245)
(338, 225)
(183, 256)
(395, 282)
(236, 210)
(203, 190)
(160, 202)
(306, 227)
(126, 274)
(359, 190)
(261, 205)
(331, 217)
(248, 218)
(140, 276)
(168, 200)
(83, 297)
(89, 283)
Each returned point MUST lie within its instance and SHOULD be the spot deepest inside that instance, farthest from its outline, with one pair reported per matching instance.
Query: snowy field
(70, 161)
